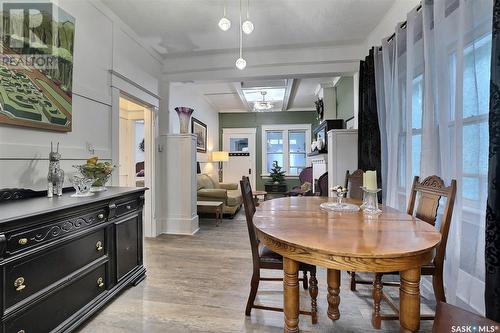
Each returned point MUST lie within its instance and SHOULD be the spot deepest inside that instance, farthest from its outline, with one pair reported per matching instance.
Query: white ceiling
(187, 27)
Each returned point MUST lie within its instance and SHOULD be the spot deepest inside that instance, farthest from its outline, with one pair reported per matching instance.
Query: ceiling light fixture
(240, 62)
(263, 105)
(247, 26)
(224, 23)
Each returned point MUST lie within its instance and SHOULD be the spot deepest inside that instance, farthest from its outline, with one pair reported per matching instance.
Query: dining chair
(353, 183)
(424, 202)
(264, 258)
(450, 318)
(323, 185)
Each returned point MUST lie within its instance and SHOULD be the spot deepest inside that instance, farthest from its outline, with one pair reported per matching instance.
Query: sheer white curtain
(436, 93)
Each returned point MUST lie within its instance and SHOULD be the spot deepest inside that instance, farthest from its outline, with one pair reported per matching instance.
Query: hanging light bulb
(240, 62)
(224, 22)
(247, 26)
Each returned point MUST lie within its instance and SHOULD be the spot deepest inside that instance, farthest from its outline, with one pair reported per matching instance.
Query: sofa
(209, 189)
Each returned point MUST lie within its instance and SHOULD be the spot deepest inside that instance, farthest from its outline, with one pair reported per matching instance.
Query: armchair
(210, 190)
(305, 188)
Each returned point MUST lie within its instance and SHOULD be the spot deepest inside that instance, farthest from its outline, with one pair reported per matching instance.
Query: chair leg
(377, 297)
(353, 280)
(304, 281)
(313, 292)
(437, 284)
(254, 285)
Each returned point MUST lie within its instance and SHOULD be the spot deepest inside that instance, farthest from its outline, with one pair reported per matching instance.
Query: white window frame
(286, 129)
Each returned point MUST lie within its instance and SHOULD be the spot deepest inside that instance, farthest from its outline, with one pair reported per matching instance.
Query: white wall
(102, 44)
(386, 27)
(184, 95)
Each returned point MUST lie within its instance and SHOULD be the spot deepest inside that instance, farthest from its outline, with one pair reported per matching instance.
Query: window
(416, 123)
(286, 144)
(475, 109)
(238, 145)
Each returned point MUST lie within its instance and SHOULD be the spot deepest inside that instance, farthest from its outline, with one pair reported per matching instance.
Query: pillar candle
(371, 180)
(364, 179)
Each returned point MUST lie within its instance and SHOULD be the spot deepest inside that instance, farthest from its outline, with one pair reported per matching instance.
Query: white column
(180, 160)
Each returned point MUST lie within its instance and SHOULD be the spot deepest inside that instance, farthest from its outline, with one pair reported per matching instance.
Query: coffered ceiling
(187, 27)
(229, 97)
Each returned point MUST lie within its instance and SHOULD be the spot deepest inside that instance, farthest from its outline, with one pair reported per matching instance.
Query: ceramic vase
(184, 114)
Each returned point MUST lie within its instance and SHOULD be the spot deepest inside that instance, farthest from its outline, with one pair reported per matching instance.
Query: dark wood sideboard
(64, 258)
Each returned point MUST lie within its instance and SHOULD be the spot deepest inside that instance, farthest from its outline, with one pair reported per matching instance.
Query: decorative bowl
(100, 172)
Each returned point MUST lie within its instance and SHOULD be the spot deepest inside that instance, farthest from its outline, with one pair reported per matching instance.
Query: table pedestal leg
(409, 297)
(291, 295)
(333, 280)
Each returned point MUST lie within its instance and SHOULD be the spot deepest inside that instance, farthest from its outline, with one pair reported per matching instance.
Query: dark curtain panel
(368, 129)
(492, 250)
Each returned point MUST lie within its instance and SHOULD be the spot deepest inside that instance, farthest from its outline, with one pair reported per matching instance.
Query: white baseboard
(180, 226)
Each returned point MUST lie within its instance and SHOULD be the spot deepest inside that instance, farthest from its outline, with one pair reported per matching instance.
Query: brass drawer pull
(19, 284)
(98, 246)
(128, 207)
(100, 216)
(23, 241)
(100, 282)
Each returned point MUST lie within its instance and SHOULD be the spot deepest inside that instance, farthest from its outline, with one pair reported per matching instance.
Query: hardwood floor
(200, 284)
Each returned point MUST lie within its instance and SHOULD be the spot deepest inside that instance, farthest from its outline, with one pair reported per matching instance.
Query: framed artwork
(36, 68)
(200, 130)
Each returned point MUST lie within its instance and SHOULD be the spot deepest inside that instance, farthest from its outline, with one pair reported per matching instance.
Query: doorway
(136, 153)
(240, 143)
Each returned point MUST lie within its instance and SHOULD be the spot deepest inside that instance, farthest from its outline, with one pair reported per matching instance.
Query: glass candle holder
(370, 201)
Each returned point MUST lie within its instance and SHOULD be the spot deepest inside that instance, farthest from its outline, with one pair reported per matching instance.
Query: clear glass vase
(184, 114)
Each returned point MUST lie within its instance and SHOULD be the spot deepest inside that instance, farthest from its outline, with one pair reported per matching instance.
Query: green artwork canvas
(36, 66)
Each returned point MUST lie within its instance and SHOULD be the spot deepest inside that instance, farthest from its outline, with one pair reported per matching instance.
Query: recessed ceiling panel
(226, 102)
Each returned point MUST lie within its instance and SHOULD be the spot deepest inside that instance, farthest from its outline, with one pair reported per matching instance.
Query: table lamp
(220, 156)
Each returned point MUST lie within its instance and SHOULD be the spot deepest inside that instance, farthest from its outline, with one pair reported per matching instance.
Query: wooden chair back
(353, 183)
(430, 191)
(323, 185)
(249, 204)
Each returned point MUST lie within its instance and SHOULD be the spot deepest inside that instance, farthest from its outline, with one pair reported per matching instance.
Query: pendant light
(247, 26)
(240, 62)
(263, 105)
(224, 22)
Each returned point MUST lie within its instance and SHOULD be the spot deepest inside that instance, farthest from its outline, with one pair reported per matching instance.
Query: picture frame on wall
(200, 130)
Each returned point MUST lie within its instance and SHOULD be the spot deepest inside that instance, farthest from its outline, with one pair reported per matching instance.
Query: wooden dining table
(301, 231)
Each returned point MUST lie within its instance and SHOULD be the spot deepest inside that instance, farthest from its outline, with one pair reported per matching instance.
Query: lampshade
(220, 156)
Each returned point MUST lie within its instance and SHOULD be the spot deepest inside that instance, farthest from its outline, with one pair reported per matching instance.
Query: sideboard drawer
(126, 207)
(21, 240)
(49, 313)
(30, 275)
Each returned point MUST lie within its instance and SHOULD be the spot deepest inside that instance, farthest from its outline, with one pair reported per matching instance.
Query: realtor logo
(25, 26)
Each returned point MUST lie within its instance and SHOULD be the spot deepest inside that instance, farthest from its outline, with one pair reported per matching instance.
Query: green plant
(277, 176)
